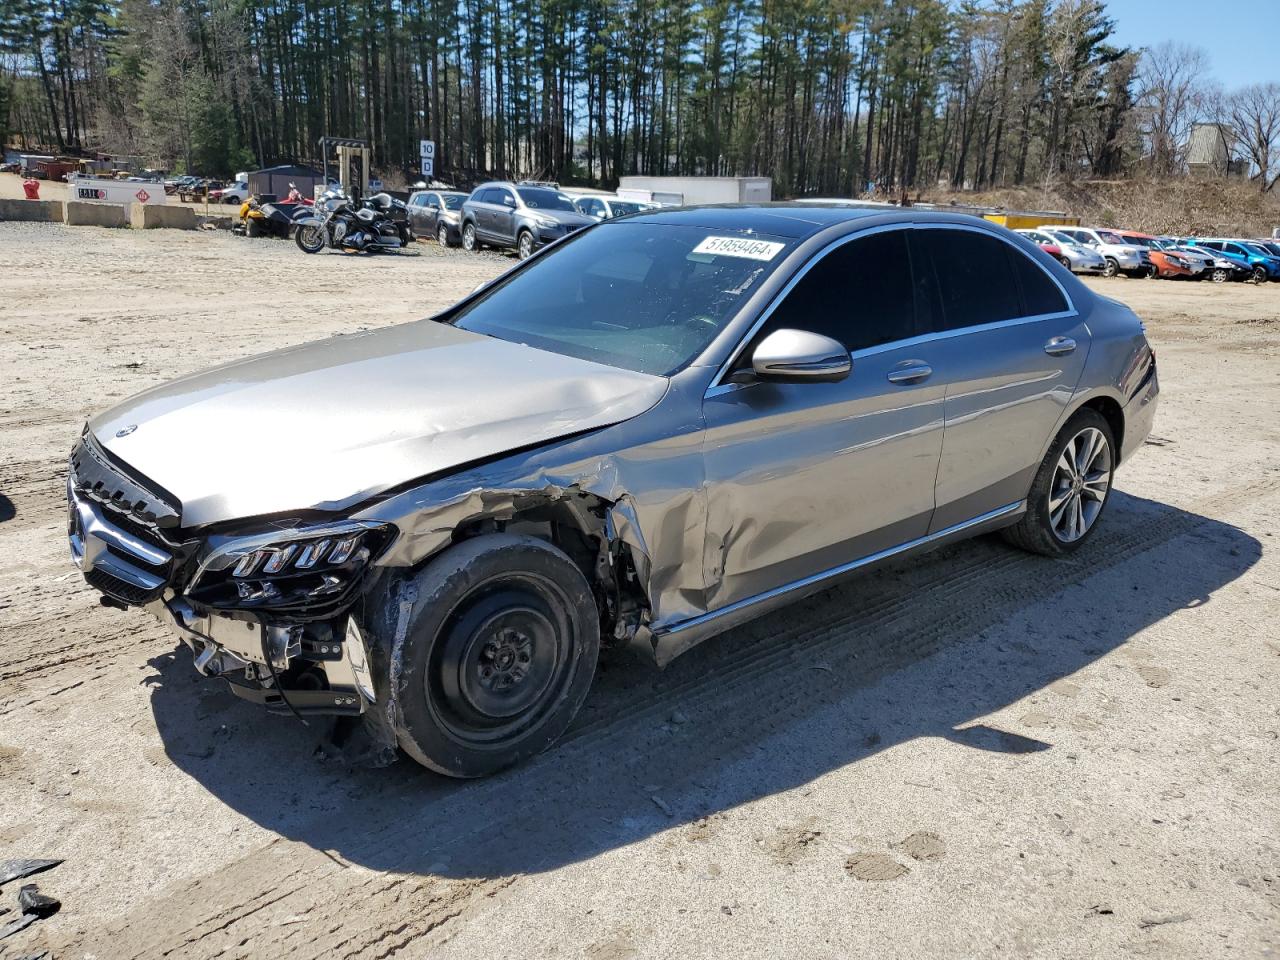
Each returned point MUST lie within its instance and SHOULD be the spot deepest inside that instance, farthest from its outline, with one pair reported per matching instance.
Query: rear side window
(976, 282)
(858, 294)
(1040, 295)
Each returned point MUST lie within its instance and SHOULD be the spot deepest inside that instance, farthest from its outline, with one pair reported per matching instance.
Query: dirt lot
(977, 753)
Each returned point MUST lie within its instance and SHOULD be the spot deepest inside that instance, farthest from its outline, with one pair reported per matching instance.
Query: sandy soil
(976, 753)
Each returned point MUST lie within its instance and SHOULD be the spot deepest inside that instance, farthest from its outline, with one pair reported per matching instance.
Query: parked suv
(1121, 257)
(437, 213)
(658, 429)
(1254, 257)
(1076, 257)
(523, 216)
(1166, 261)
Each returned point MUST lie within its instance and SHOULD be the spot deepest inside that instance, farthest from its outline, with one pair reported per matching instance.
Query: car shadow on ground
(923, 648)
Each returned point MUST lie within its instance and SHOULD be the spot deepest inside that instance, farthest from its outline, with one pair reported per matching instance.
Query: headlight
(310, 572)
(546, 221)
(450, 216)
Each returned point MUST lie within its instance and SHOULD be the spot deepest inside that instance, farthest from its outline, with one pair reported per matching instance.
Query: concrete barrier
(146, 216)
(84, 214)
(42, 211)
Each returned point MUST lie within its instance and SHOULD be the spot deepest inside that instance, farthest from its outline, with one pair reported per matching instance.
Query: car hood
(328, 424)
(568, 218)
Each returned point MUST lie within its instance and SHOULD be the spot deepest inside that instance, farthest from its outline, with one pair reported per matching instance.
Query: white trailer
(687, 191)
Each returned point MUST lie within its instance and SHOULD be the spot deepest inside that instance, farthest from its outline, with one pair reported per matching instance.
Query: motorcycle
(341, 225)
(267, 217)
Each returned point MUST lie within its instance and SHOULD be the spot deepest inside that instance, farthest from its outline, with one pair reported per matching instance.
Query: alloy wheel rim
(526, 247)
(442, 233)
(1081, 482)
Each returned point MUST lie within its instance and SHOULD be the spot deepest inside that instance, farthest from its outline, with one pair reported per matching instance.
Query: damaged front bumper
(299, 668)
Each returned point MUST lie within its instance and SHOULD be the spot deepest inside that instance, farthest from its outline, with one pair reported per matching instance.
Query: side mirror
(798, 356)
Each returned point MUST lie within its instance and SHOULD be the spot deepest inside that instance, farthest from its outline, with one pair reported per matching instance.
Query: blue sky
(1243, 42)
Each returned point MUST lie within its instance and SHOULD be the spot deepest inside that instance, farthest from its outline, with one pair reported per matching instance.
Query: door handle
(913, 371)
(1060, 346)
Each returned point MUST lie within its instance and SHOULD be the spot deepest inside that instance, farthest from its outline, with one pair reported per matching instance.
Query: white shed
(677, 191)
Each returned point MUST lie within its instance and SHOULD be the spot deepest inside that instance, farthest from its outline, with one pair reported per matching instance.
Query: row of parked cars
(1110, 252)
(520, 216)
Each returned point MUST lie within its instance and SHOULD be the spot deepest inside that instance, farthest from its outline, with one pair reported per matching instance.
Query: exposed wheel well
(577, 525)
(1114, 416)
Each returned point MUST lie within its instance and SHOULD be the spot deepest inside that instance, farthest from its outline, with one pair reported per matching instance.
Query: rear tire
(469, 241)
(1066, 262)
(499, 655)
(1070, 490)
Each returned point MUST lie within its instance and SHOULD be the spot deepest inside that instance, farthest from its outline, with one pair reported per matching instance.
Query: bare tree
(1254, 116)
(1173, 92)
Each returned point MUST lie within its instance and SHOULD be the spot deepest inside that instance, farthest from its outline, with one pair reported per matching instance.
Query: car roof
(791, 219)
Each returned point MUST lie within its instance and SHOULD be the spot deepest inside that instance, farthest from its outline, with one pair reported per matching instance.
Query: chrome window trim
(719, 387)
(843, 568)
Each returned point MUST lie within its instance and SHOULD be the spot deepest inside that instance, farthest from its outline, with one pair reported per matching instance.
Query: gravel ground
(975, 753)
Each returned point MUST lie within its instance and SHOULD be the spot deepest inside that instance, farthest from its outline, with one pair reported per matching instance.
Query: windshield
(1257, 249)
(1138, 241)
(621, 207)
(642, 296)
(1107, 237)
(453, 201)
(540, 198)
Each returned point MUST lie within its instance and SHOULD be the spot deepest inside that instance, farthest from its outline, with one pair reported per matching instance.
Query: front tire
(499, 655)
(1259, 275)
(1071, 488)
(524, 245)
(1111, 269)
(1065, 261)
(469, 241)
(310, 238)
(442, 235)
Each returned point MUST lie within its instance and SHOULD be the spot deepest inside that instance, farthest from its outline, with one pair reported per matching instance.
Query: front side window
(642, 296)
(976, 282)
(859, 294)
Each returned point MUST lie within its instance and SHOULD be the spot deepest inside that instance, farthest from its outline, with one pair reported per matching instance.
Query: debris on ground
(17, 869)
(1146, 923)
(31, 900)
(18, 923)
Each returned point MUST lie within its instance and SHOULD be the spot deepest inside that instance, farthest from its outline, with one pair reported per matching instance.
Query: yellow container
(1025, 220)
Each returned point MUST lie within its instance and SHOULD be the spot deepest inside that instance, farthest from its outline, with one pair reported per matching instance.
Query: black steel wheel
(499, 655)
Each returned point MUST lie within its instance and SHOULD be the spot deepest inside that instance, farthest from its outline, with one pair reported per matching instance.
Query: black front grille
(121, 590)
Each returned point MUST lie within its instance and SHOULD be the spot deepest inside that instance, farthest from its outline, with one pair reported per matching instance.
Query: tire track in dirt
(735, 704)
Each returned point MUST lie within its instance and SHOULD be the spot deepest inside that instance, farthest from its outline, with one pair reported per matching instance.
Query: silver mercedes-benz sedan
(647, 433)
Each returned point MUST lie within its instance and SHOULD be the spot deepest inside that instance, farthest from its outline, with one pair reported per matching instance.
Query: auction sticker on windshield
(739, 247)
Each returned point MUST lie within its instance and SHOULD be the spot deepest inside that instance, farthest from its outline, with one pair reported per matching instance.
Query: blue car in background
(1262, 264)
